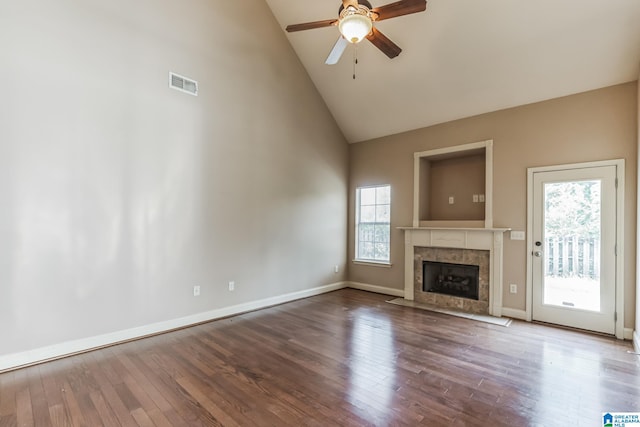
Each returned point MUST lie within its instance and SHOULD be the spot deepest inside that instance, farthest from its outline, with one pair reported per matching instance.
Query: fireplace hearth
(458, 280)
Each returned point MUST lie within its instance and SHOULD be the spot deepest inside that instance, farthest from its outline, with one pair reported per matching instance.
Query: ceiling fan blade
(336, 52)
(399, 8)
(311, 25)
(381, 41)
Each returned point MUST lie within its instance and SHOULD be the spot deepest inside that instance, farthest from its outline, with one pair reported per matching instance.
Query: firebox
(458, 280)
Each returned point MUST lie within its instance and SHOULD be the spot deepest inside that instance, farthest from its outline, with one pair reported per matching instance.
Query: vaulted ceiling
(465, 57)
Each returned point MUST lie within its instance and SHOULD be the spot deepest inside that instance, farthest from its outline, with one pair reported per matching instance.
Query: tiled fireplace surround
(452, 256)
(471, 246)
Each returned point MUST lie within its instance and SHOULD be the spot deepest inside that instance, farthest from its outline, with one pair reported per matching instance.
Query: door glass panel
(572, 244)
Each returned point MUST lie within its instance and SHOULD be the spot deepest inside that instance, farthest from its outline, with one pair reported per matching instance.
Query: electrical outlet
(513, 288)
(196, 291)
(232, 286)
(336, 269)
(451, 200)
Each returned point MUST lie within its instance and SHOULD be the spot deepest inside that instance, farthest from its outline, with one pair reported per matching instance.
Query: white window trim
(368, 261)
(383, 264)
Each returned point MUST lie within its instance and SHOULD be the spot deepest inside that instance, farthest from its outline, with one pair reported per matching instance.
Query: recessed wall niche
(453, 186)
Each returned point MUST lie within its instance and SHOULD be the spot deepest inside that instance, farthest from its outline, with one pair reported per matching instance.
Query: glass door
(574, 248)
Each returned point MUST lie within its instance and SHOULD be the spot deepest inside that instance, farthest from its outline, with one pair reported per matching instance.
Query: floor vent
(183, 84)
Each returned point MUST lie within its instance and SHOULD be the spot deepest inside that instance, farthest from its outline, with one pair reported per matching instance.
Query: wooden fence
(572, 256)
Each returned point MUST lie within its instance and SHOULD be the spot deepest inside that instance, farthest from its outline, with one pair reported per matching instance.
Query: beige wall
(596, 125)
(118, 194)
(460, 178)
(637, 330)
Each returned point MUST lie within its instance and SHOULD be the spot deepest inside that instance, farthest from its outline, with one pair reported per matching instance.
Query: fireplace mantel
(490, 239)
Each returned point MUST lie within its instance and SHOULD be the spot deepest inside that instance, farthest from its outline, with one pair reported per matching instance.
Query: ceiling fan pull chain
(355, 60)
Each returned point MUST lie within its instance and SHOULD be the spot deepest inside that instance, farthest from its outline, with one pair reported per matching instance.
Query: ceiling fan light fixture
(355, 24)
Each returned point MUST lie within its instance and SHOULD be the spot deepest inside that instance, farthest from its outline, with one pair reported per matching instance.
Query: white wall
(118, 194)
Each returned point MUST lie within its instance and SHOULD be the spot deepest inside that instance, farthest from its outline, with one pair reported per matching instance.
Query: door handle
(537, 253)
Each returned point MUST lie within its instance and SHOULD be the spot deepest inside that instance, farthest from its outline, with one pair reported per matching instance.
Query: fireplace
(458, 280)
(480, 247)
(451, 279)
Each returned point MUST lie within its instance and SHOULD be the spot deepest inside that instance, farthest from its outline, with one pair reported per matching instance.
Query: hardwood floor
(343, 358)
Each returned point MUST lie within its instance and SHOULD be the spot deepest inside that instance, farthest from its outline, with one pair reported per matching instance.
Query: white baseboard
(627, 334)
(514, 313)
(636, 341)
(17, 360)
(375, 288)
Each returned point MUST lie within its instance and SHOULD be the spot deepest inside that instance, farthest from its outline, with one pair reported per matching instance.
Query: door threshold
(571, 328)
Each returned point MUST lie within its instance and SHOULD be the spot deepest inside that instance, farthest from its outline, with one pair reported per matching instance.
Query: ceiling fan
(355, 23)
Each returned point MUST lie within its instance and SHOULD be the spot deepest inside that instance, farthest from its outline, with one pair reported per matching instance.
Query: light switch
(475, 198)
(451, 200)
(517, 235)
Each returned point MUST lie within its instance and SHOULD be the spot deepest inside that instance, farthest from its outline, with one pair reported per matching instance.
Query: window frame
(358, 206)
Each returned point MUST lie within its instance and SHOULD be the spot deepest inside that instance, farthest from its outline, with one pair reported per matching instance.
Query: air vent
(183, 84)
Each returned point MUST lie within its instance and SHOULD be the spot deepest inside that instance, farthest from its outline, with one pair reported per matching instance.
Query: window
(373, 223)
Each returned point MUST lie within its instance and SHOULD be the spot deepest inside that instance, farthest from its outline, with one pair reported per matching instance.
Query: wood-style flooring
(342, 358)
